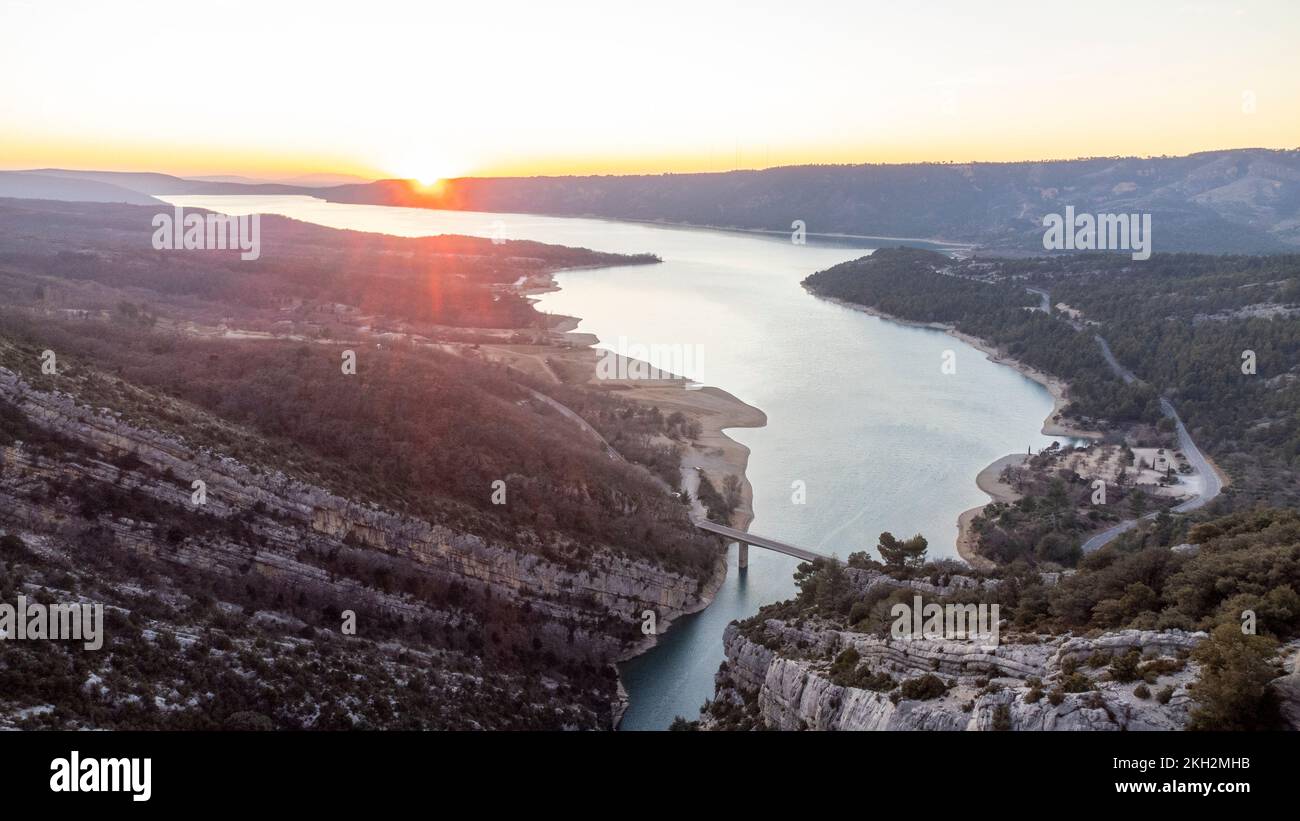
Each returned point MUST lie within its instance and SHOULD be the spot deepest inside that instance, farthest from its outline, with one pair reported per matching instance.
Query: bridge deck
(760, 541)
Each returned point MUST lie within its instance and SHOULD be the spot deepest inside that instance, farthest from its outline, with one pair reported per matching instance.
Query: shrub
(847, 672)
(1002, 718)
(1232, 692)
(923, 688)
(1076, 683)
(246, 720)
(859, 611)
(1125, 668)
(166, 641)
(1151, 671)
(844, 666)
(12, 547)
(1142, 692)
(1099, 658)
(879, 682)
(221, 641)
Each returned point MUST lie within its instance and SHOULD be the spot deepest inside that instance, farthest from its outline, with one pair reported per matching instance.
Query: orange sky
(511, 87)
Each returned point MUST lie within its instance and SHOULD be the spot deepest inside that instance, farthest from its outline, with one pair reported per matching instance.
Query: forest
(1190, 325)
(1183, 323)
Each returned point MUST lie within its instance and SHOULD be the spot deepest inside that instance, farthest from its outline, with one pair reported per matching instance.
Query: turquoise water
(859, 408)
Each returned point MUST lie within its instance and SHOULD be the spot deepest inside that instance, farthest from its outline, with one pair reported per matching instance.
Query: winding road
(1046, 305)
(573, 416)
(1211, 482)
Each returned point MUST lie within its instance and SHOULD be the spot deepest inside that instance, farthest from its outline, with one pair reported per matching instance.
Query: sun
(427, 168)
(427, 179)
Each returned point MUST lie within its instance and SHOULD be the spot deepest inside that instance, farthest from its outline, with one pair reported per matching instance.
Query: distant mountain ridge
(309, 180)
(1240, 201)
(151, 184)
(36, 186)
(1231, 201)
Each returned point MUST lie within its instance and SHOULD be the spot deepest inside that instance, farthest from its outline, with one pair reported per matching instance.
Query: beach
(990, 481)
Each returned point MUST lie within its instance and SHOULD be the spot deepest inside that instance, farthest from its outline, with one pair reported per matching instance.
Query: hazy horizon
(301, 177)
(674, 89)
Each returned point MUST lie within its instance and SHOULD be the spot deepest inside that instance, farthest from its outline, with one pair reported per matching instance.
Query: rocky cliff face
(806, 674)
(258, 522)
(619, 585)
(990, 689)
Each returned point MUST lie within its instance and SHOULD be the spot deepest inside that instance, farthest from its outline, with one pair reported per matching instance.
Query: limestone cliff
(260, 522)
(797, 693)
(803, 673)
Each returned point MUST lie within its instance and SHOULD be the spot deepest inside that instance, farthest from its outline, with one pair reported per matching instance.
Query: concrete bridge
(747, 539)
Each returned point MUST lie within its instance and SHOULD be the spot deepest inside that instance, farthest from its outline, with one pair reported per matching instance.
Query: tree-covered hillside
(1186, 325)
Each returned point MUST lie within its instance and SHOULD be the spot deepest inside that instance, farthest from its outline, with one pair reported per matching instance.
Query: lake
(859, 409)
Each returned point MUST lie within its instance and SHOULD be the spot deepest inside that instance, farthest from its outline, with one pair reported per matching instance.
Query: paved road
(1122, 372)
(759, 541)
(1211, 483)
(569, 413)
(1046, 306)
(1105, 537)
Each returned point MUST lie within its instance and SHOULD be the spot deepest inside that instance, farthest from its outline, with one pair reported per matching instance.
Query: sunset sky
(434, 89)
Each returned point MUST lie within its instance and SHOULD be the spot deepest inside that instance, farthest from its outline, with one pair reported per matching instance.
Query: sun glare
(426, 169)
(426, 178)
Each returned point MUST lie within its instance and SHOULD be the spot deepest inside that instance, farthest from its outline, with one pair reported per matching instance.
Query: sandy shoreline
(990, 481)
(715, 453)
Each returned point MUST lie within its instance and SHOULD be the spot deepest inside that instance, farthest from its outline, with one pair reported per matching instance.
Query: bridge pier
(742, 555)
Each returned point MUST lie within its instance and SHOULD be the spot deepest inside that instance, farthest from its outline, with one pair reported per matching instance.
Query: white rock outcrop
(990, 687)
